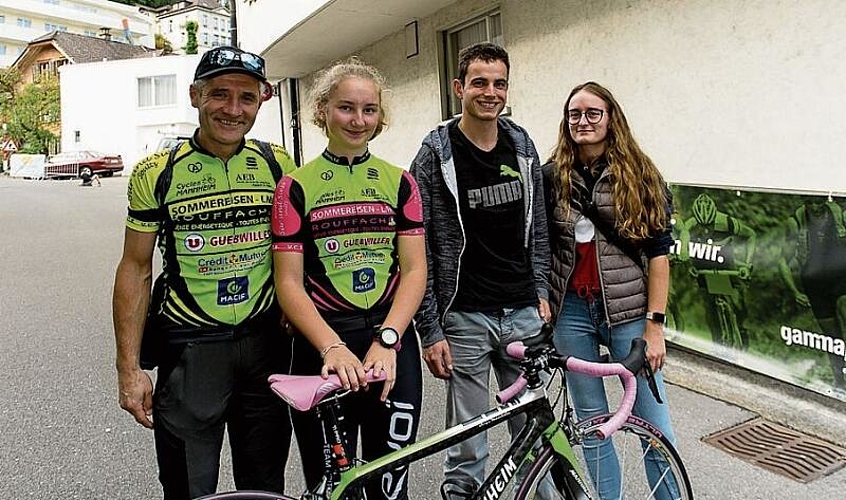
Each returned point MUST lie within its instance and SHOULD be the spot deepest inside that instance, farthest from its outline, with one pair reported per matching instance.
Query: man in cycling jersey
(211, 323)
(729, 245)
(487, 248)
(812, 267)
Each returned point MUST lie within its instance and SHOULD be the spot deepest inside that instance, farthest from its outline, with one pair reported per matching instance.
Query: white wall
(261, 23)
(100, 100)
(717, 91)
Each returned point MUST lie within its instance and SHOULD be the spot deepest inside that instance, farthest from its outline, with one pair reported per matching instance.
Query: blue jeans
(477, 342)
(579, 331)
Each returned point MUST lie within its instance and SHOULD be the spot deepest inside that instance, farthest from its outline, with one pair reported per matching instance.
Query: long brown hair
(637, 187)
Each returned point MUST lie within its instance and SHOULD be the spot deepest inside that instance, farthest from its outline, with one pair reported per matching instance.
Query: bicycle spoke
(634, 464)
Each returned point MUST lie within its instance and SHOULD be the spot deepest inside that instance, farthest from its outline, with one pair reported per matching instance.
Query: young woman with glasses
(608, 213)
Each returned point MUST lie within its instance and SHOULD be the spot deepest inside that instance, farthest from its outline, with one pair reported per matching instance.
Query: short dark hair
(483, 51)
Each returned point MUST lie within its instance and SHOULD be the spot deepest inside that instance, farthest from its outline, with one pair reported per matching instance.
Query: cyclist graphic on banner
(719, 249)
(815, 253)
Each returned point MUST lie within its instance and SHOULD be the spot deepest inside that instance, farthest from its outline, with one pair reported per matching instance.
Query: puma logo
(507, 171)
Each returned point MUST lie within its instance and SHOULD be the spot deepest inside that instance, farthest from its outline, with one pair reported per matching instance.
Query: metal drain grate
(779, 449)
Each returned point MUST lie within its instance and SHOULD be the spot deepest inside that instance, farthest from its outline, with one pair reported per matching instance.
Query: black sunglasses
(226, 57)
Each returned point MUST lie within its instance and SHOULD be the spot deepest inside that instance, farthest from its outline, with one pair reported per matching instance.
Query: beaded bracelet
(329, 347)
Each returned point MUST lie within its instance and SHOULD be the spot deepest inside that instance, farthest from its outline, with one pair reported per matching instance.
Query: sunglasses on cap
(230, 60)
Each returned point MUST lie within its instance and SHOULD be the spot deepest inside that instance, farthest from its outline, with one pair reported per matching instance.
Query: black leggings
(384, 426)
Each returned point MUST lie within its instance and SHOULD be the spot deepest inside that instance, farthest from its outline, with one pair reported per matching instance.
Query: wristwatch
(656, 317)
(389, 338)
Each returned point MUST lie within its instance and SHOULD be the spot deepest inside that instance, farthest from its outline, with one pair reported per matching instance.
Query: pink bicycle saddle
(303, 392)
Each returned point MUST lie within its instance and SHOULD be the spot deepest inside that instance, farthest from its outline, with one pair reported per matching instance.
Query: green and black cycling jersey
(212, 219)
(345, 218)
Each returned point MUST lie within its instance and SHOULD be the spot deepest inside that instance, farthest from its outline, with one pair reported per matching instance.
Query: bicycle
(723, 296)
(544, 452)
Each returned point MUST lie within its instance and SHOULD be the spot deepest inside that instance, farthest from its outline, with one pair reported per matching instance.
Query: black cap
(222, 60)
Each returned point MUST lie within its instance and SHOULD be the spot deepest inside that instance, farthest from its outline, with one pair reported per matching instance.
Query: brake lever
(650, 379)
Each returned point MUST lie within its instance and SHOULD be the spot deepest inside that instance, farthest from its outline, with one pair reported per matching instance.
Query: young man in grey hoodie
(487, 249)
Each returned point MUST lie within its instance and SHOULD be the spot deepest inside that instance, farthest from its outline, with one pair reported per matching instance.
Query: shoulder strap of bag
(270, 158)
(610, 232)
(165, 178)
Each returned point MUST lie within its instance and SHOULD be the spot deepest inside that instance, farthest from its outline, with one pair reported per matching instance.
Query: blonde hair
(328, 80)
(637, 188)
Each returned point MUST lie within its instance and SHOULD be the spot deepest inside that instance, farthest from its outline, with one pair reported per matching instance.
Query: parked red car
(82, 163)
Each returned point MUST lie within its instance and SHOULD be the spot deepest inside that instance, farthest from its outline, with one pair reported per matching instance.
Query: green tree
(163, 44)
(9, 79)
(191, 44)
(32, 114)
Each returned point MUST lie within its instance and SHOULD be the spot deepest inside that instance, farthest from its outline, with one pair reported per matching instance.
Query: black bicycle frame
(533, 403)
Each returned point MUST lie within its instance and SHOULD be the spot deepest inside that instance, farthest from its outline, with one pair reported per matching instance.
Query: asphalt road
(62, 434)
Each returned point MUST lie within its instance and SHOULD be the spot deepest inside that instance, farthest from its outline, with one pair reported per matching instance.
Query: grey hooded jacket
(434, 170)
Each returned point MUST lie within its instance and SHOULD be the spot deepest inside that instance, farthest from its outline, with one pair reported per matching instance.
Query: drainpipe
(233, 24)
(296, 129)
(279, 94)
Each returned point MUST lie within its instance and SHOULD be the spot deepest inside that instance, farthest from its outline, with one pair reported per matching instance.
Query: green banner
(759, 280)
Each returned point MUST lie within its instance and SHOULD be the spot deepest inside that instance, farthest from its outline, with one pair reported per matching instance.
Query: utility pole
(233, 24)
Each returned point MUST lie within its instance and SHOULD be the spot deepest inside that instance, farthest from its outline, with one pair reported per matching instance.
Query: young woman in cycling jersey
(608, 211)
(350, 271)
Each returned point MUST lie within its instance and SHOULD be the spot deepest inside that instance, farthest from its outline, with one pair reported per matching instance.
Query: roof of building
(83, 49)
(181, 7)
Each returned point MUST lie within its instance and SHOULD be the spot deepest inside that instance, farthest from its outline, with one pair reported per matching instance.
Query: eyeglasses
(225, 57)
(593, 116)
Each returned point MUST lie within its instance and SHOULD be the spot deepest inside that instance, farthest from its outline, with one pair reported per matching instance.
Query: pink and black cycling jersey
(345, 219)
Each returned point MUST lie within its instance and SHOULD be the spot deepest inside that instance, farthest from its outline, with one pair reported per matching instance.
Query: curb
(785, 404)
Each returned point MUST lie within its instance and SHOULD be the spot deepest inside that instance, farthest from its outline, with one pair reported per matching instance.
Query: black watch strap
(656, 317)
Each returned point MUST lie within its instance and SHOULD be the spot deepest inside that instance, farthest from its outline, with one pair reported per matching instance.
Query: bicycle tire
(246, 495)
(638, 437)
(634, 483)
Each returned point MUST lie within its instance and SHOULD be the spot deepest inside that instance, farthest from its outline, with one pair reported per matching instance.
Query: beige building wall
(718, 92)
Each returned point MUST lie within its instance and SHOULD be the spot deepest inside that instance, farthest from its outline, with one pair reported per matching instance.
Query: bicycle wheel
(246, 495)
(550, 477)
(649, 466)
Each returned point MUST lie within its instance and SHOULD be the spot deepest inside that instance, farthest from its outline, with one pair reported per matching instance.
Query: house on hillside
(211, 16)
(22, 21)
(44, 55)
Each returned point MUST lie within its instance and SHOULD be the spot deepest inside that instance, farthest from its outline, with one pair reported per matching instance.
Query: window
(486, 28)
(90, 33)
(205, 38)
(24, 22)
(216, 41)
(46, 69)
(205, 21)
(52, 2)
(170, 26)
(54, 27)
(2, 19)
(2, 50)
(77, 136)
(156, 91)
